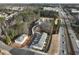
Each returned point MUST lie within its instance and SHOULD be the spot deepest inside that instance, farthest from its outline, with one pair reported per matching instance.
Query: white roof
(50, 8)
(21, 39)
(77, 41)
(75, 11)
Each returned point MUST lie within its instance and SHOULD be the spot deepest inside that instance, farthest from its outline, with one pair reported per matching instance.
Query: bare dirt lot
(54, 46)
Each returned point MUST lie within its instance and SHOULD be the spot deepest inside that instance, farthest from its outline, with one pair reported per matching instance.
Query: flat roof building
(39, 41)
(21, 39)
(51, 8)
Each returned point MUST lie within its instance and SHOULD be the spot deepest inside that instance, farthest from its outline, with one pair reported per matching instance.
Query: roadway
(65, 40)
(71, 45)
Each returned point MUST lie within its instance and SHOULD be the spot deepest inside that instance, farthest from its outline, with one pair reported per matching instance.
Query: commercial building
(51, 8)
(20, 40)
(39, 41)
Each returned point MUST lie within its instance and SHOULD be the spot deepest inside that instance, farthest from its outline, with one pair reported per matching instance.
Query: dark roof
(25, 51)
(16, 51)
(38, 40)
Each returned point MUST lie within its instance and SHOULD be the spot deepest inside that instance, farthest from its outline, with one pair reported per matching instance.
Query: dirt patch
(54, 46)
(4, 52)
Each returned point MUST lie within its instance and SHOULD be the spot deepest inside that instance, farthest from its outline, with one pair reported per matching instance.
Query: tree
(2, 19)
(7, 40)
(12, 33)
